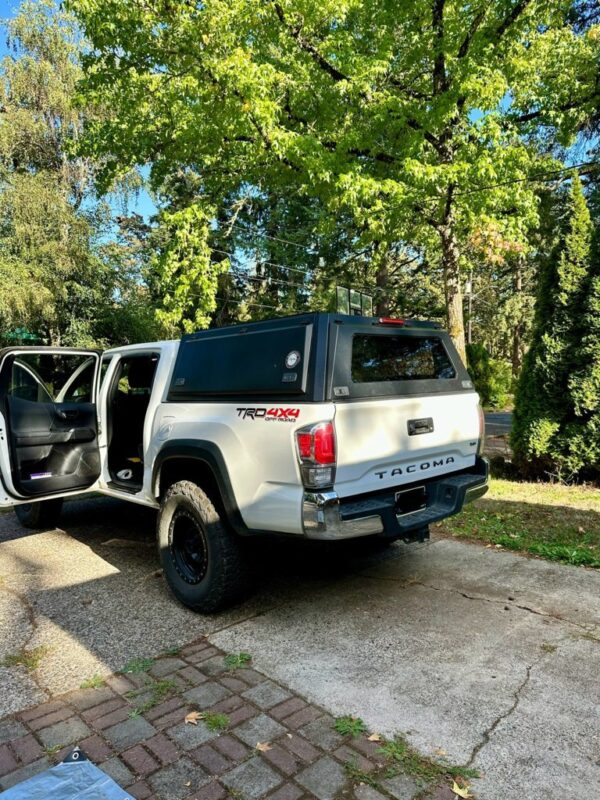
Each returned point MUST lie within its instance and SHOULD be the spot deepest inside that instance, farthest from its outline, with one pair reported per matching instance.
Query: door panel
(48, 399)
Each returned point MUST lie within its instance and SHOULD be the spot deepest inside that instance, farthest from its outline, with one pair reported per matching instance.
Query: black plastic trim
(446, 496)
(210, 454)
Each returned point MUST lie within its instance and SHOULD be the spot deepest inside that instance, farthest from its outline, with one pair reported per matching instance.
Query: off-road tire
(43, 514)
(202, 558)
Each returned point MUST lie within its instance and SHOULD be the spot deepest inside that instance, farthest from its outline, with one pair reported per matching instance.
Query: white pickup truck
(320, 426)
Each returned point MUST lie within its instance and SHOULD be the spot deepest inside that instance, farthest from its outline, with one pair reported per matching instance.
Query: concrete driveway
(486, 655)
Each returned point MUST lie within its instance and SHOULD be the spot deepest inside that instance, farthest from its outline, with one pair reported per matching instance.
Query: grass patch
(553, 521)
(405, 759)
(52, 751)
(172, 651)
(30, 659)
(358, 775)
(349, 726)
(237, 660)
(95, 682)
(215, 722)
(159, 691)
(137, 665)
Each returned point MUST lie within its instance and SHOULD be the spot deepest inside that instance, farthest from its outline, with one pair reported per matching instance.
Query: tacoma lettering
(425, 465)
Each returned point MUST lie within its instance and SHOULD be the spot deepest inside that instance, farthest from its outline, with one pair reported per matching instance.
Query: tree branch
(531, 115)
(440, 78)
(463, 50)
(512, 17)
(308, 47)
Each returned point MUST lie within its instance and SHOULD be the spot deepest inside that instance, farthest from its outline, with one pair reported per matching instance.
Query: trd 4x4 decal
(269, 414)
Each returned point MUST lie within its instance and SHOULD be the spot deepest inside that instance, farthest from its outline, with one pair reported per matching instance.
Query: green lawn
(561, 523)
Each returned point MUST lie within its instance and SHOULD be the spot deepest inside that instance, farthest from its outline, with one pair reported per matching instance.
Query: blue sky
(142, 203)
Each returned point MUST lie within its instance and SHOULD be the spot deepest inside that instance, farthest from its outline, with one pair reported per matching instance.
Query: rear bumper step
(326, 516)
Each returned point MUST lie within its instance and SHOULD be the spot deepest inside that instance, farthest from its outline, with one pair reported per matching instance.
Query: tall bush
(556, 427)
(492, 378)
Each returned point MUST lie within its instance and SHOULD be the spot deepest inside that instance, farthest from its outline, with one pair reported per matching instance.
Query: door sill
(124, 487)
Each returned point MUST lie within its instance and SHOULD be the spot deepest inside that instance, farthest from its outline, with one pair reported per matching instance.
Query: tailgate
(405, 407)
(376, 451)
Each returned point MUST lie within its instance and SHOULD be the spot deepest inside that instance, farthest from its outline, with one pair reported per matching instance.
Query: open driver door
(48, 426)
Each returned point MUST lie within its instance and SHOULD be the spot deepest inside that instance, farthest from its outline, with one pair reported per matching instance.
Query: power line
(268, 263)
(276, 238)
(261, 278)
(541, 177)
(244, 302)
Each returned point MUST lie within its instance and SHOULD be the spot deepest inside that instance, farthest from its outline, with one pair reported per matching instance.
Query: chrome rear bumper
(326, 516)
(322, 520)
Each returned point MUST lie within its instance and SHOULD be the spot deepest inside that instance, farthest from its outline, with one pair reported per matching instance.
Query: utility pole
(469, 293)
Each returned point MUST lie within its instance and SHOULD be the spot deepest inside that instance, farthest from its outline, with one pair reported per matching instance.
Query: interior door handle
(68, 413)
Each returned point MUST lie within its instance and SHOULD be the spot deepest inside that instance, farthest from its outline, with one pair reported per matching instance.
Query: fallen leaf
(289, 735)
(263, 746)
(375, 737)
(440, 752)
(460, 791)
(193, 717)
(189, 783)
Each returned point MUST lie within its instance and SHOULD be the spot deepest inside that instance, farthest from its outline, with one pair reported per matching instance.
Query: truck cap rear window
(377, 358)
(371, 361)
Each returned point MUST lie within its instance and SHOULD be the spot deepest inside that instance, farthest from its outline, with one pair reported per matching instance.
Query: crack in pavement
(590, 628)
(30, 613)
(487, 734)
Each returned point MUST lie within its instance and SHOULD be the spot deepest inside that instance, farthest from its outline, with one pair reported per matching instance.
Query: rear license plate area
(409, 501)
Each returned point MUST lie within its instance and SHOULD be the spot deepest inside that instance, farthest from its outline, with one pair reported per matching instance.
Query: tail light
(316, 453)
(481, 443)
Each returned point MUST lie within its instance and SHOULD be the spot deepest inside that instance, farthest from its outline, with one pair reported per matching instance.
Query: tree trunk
(452, 288)
(518, 329)
(382, 306)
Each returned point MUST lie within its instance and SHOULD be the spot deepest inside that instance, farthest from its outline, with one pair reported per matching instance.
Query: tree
(64, 274)
(556, 426)
(393, 114)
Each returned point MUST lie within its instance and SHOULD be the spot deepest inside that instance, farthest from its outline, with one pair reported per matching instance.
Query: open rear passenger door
(48, 422)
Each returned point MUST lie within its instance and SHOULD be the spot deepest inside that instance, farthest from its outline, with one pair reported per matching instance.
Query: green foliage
(28, 658)
(556, 428)
(237, 660)
(137, 665)
(155, 693)
(64, 274)
(406, 759)
(552, 521)
(492, 378)
(215, 722)
(185, 273)
(349, 726)
(95, 682)
(342, 106)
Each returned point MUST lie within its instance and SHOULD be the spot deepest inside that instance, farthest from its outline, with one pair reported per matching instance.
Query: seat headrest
(141, 372)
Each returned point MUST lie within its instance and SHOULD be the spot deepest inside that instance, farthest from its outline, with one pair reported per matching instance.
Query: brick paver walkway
(155, 755)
